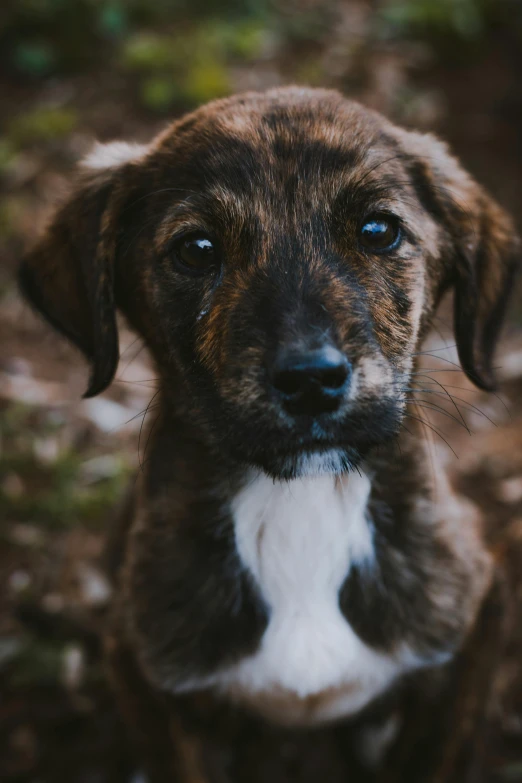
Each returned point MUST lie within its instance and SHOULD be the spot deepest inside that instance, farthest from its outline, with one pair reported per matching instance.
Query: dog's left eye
(380, 233)
(195, 254)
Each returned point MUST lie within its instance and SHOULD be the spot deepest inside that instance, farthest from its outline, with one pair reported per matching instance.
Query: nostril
(335, 377)
(321, 372)
(288, 381)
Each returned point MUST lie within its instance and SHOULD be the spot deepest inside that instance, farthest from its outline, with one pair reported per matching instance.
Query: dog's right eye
(195, 254)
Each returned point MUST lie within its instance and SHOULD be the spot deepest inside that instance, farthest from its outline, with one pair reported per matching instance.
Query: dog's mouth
(317, 461)
(316, 450)
(256, 433)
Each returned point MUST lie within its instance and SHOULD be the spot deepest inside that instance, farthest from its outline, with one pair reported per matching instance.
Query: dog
(289, 549)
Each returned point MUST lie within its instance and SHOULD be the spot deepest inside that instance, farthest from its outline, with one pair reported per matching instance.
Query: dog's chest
(299, 540)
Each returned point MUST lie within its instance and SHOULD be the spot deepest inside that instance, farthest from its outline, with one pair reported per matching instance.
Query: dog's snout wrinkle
(311, 382)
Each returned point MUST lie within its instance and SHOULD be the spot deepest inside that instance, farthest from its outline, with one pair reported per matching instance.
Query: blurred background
(72, 71)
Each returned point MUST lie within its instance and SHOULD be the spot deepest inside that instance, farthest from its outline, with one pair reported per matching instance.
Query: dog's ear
(481, 254)
(68, 276)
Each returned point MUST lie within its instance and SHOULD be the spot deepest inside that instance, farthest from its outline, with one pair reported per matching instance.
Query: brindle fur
(281, 180)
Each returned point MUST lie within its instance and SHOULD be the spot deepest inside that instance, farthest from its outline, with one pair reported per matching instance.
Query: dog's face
(282, 254)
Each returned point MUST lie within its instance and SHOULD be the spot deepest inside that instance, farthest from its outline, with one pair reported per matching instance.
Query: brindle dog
(290, 556)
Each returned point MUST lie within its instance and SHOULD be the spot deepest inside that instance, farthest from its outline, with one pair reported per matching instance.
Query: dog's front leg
(164, 749)
(442, 736)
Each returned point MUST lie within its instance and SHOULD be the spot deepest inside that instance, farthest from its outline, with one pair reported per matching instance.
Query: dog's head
(282, 254)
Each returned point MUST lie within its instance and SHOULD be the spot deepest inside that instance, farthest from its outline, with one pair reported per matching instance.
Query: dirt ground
(64, 461)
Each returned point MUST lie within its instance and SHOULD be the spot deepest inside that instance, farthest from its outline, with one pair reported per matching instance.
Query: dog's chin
(332, 461)
(314, 448)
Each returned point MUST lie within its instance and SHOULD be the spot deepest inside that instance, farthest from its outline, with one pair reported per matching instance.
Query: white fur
(298, 540)
(114, 154)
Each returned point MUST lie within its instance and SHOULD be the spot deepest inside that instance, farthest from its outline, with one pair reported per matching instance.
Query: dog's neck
(412, 596)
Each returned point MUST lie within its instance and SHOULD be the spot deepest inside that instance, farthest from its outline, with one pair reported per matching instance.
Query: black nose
(313, 382)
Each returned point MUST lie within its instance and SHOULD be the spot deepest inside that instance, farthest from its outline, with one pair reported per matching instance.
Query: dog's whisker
(149, 436)
(148, 408)
(435, 350)
(397, 444)
(470, 390)
(439, 331)
(461, 206)
(362, 180)
(436, 369)
(441, 359)
(438, 409)
(142, 382)
(140, 231)
(157, 192)
(130, 345)
(444, 390)
(467, 405)
(140, 349)
(435, 430)
(473, 391)
(129, 421)
(427, 375)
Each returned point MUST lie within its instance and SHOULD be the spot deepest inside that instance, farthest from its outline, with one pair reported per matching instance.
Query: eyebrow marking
(179, 219)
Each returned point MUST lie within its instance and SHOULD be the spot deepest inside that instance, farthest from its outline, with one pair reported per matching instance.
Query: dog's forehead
(256, 139)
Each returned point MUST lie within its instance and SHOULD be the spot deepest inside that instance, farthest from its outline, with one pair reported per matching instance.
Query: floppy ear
(69, 275)
(481, 254)
(484, 282)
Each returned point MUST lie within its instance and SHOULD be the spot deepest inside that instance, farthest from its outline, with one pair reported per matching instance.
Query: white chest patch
(299, 539)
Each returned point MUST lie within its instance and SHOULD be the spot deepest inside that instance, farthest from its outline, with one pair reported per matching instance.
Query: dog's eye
(379, 233)
(195, 254)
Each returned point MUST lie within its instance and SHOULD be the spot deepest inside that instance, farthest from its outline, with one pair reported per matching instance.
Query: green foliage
(178, 53)
(150, 52)
(42, 124)
(311, 72)
(12, 209)
(158, 93)
(510, 772)
(39, 37)
(463, 19)
(37, 664)
(245, 39)
(36, 58)
(462, 16)
(206, 80)
(43, 37)
(113, 19)
(55, 494)
(187, 68)
(8, 153)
